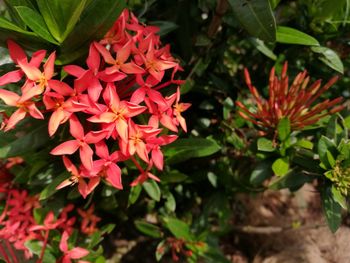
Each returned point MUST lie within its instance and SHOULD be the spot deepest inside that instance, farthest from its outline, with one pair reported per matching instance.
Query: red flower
(293, 102)
(69, 254)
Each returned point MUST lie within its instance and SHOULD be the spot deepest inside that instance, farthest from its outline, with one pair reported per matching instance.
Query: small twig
(267, 230)
(221, 8)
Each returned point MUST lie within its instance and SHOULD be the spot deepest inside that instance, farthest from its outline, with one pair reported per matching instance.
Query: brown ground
(271, 237)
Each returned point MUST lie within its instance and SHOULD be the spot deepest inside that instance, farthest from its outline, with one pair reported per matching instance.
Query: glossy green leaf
(330, 58)
(107, 229)
(324, 145)
(265, 145)
(35, 247)
(256, 17)
(292, 180)
(260, 45)
(134, 194)
(173, 176)
(165, 27)
(35, 22)
(50, 189)
(97, 18)
(332, 210)
(178, 228)
(305, 144)
(49, 14)
(337, 196)
(10, 6)
(261, 172)
(280, 167)
(290, 35)
(283, 129)
(330, 158)
(148, 229)
(152, 189)
(170, 203)
(6, 24)
(31, 141)
(61, 15)
(184, 149)
(74, 18)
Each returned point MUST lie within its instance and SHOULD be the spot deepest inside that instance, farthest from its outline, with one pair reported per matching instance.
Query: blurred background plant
(197, 206)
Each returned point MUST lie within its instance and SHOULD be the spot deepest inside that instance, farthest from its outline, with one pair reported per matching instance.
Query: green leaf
(4, 23)
(347, 122)
(35, 247)
(165, 27)
(25, 144)
(260, 45)
(265, 145)
(280, 167)
(184, 149)
(283, 129)
(61, 15)
(289, 35)
(170, 203)
(305, 144)
(50, 189)
(35, 22)
(107, 229)
(256, 17)
(260, 173)
(332, 210)
(292, 180)
(173, 176)
(330, 58)
(330, 159)
(152, 189)
(134, 194)
(160, 250)
(213, 179)
(337, 196)
(49, 15)
(97, 18)
(10, 6)
(74, 18)
(324, 145)
(178, 228)
(148, 229)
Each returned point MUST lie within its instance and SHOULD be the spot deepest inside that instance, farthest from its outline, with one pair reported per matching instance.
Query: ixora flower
(103, 104)
(295, 101)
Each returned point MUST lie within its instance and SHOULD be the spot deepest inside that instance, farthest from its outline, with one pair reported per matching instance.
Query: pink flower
(69, 254)
(81, 142)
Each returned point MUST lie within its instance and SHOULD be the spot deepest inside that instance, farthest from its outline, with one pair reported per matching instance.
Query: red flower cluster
(103, 103)
(17, 224)
(293, 102)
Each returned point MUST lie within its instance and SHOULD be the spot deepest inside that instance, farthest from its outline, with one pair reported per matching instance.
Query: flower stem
(4, 254)
(12, 253)
(44, 246)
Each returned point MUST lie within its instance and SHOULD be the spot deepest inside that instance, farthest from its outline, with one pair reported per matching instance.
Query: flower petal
(16, 52)
(49, 66)
(17, 116)
(68, 147)
(10, 98)
(60, 87)
(11, 77)
(63, 243)
(32, 73)
(75, 128)
(78, 252)
(114, 176)
(86, 154)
